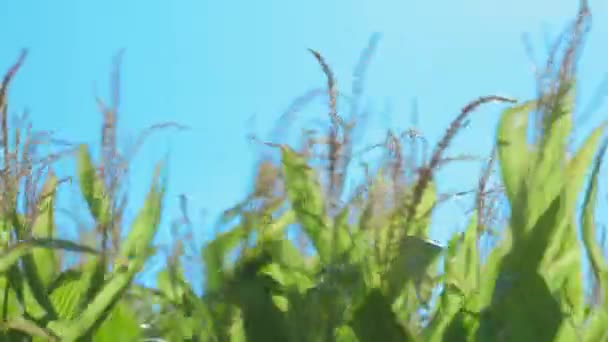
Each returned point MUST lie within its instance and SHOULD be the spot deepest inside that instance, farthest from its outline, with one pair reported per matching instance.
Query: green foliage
(370, 272)
(529, 288)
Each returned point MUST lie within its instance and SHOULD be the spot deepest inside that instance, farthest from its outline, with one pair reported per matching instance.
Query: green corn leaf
(168, 286)
(66, 293)
(513, 147)
(519, 277)
(306, 199)
(276, 228)
(412, 262)
(71, 291)
(345, 334)
(29, 327)
(561, 264)
(369, 218)
(46, 260)
(253, 294)
(462, 259)
(491, 269)
(594, 252)
(72, 330)
(550, 163)
(41, 265)
(374, 320)
(136, 244)
(595, 329)
(566, 239)
(451, 302)
(561, 105)
(287, 278)
(422, 219)
(461, 282)
(527, 254)
(214, 254)
(286, 254)
(8, 297)
(462, 328)
(341, 238)
(565, 276)
(16, 287)
(10, 255)
(95, 269)
(120, 325)
(92, 188)
(534, 316)
(139, 238)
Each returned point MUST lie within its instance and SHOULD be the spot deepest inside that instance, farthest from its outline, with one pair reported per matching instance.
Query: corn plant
(377, 264)
(41, 300)
(362, 269)
(373, 267)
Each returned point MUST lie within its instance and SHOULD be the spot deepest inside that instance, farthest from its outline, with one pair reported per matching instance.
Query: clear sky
(211, 65)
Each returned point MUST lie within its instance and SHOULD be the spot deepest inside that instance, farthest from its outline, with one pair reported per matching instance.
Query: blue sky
(212, 65)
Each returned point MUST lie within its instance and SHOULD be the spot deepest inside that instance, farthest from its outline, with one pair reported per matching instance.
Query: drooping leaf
(10, 255)
(29, 327)
(214, 254)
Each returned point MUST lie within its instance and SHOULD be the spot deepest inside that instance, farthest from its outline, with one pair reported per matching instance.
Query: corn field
(363, 269)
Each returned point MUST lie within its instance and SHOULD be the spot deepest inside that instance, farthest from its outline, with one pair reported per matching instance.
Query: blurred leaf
(462, 260)
(375, 321)
(263, 320)
(137, 242)
(120, 325)
(287, 278)
(414, 257)
(281, 302)
(461, 328)
(422, 218)
(32, 329)
(67, 292)
(450, 303)
(40, 266)
(513, 154)
(46, 261)
(306, 199)
(10, 255)
(214, 253)
(534, 316)
(92, 188)
(136, 246)
(595, 329)
(550, 162)
(519, 278)
(594, 251)
(168, 286)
